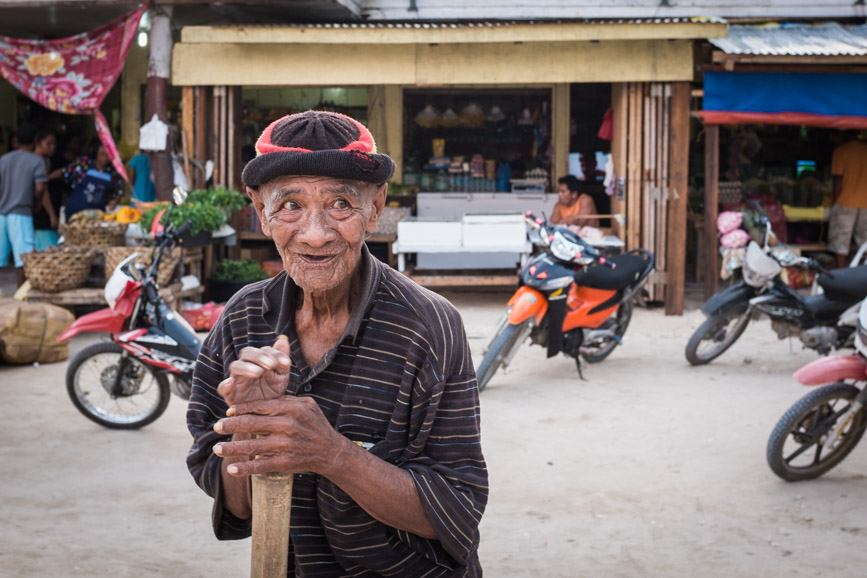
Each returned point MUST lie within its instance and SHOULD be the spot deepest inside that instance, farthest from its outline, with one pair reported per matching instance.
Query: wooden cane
(272, 506)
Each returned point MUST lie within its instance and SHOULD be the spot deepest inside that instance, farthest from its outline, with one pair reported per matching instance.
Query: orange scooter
(570, 299)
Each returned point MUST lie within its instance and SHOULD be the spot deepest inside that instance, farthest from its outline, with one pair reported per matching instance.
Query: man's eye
(341, 204)
(290, 205)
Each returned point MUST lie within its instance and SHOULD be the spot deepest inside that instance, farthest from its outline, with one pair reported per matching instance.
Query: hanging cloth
(73, 75)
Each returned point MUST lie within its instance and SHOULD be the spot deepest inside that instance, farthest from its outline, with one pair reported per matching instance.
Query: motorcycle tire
(90, 375)
(500, 348)
(624, 316)
(710, 331)
(801, 424)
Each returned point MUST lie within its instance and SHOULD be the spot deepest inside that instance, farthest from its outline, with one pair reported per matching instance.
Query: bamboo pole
(272, 508)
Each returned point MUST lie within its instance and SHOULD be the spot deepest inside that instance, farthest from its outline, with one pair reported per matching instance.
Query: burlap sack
(29, 331)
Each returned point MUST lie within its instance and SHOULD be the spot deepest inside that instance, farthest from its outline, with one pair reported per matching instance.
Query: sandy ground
(649, 468)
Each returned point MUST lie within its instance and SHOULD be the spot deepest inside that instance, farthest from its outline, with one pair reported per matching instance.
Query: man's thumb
(282, 345)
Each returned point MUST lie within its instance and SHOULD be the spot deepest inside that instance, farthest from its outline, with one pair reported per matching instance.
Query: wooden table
(91, 296)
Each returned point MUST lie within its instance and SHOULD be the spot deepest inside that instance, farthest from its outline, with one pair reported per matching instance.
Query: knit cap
(317, 143)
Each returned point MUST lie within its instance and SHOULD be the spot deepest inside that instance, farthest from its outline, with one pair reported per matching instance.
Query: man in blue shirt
(22, 185)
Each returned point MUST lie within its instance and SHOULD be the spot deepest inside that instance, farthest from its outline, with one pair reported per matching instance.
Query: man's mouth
(317, 259)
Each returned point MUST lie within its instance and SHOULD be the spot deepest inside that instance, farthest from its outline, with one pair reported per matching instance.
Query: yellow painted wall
(431, 65)
(134, 76)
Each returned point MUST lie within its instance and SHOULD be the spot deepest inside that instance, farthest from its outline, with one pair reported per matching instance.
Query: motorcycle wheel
(594, 353)
(500, 348)
(715, 336)
(89, 379)
(795, 450)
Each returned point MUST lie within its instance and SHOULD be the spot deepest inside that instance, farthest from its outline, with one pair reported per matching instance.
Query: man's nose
(315, 231)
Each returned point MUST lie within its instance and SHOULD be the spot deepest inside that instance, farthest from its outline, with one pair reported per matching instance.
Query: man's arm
(586, 212)
(556, 215)
(301, 440)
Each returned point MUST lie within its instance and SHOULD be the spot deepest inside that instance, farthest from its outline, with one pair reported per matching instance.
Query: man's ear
(378, 206)
(259, 206)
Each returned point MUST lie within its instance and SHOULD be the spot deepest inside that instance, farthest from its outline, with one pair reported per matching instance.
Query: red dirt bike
(570, 299)
(820, 430)
(126, 383)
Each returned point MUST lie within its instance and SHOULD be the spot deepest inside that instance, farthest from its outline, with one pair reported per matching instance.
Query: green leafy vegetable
(240, 270)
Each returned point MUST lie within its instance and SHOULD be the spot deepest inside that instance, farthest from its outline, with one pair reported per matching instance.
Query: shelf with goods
(474, 140)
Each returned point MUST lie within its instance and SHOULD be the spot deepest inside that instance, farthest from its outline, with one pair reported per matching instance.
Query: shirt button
(308, 388)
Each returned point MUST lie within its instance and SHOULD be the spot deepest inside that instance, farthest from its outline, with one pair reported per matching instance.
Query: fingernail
(218, 427)
(284, 360)
(232, 469)
(282, 337)
(230, 412)
(218, 449)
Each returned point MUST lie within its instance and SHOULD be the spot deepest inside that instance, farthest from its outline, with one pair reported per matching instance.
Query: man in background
(573, 207)
(22, 185)
(849, 211)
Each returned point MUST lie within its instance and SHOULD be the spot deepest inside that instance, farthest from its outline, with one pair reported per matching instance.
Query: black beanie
(317, 143)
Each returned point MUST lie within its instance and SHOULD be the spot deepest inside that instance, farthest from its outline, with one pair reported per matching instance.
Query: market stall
(772, 120)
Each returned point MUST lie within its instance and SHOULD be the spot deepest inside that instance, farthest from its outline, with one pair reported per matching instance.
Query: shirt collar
(279, 295)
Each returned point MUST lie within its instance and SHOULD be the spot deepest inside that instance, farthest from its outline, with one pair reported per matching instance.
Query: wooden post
(619, 109)
(711, 208)
(678, 182)
(272, 508)
(560, 114)
(203, 130)
(187, 122)
(159, 71)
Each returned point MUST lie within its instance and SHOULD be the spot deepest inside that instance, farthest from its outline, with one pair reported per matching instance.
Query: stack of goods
(29, 332)
(94, 228)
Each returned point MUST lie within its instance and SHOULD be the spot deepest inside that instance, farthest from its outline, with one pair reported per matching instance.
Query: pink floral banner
(73, 75)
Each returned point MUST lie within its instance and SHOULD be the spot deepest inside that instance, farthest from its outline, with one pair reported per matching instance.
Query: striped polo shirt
(400, 382)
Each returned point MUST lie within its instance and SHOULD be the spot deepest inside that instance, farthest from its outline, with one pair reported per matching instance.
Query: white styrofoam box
(455, 261)
(506, 230)
(416, 231)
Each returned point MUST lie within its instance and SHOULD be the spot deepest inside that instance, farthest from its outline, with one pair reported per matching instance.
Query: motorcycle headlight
(564, 249)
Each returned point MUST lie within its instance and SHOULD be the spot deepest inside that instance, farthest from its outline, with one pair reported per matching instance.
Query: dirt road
(649, 468)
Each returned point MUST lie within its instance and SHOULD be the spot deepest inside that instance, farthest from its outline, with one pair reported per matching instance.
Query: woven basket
(170, 260)
(94, 233)
(58, 268)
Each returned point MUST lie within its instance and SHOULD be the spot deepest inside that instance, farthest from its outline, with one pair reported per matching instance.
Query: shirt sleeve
(445, 455)
(206, 407)
(39, 174)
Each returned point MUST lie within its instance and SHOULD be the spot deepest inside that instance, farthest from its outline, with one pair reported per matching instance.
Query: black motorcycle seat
(846, 284)
(627, 270)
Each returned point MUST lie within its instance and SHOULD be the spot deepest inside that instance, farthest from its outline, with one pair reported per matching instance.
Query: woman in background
(94, 181)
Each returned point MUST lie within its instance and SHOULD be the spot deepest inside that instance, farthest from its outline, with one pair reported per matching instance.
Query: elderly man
(342, 372)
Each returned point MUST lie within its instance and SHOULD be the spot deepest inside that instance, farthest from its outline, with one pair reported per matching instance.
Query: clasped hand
(272, 432)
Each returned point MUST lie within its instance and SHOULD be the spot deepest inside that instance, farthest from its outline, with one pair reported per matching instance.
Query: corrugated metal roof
(416, 25)
(826, 39)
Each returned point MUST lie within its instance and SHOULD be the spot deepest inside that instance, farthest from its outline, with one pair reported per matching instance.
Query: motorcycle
(820, 430)
(126, 383)
(570, 299)
(823, 322)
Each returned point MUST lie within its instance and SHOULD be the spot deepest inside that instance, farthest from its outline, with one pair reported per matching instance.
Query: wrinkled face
(566, 196)
(45, 147)
(319, 225)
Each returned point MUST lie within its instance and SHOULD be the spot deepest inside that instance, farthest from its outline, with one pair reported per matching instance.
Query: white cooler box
(429, 231)
(494, 230)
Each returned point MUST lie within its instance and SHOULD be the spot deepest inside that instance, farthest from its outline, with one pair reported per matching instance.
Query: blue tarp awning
(815, 99)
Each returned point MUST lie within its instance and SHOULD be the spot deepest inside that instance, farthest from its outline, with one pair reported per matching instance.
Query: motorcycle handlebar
(183, 229)
(606, 263)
